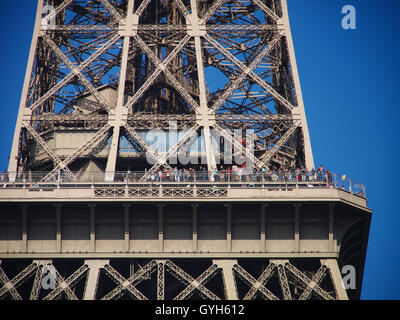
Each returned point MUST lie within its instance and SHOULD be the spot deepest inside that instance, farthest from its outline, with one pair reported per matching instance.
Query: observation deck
(193, 186)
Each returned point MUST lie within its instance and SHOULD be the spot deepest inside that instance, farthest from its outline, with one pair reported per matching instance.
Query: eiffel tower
(161, 151)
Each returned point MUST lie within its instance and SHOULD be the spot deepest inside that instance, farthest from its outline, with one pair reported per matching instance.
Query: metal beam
(93, 277)
(307, 281)
(120, 113)
(11, 285)
(162, 160)
(128, 284)
(16, 143)
(58, 163)
(189, 280)
(309, 160)
(257, 285)
(283, 281)
(228, 277)
(65, 285)
(201, 280)
(336, 276)
(246, 71)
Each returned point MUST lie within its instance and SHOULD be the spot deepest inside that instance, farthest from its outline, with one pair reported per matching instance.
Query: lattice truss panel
(201, 64)
(167, 192)
(167, 280)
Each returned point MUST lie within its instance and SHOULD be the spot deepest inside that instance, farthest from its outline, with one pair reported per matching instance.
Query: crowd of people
(235, 174)
(220, 174)
(229, 174)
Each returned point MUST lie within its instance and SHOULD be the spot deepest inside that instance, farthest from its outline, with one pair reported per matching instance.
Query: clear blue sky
(350, 82)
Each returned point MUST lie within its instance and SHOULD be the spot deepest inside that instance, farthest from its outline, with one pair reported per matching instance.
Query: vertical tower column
(160, 228)
(204, 113)
(229, 228)
(93, 277)
(228, 278)
(299, 110)
(194, 230)
(58, 227)
(92, 227)
(119, 116)
(126, 226)
(331, 231)
(336, 278)
(24, 228)
(297, 226)
(15, 149)
(262, 227)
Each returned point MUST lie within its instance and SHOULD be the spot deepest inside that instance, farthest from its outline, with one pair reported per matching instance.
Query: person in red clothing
(320, 172)
(328, 177)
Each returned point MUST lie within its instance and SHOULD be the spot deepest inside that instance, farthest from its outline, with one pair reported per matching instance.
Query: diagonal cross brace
(157, 62)
(160, 281)
(287, 295)
(37, 284)
(91, 143)
(201, 280)
(262, 83)
(246, 71)
(261, 282)
(316, 280)
(216, 5)
(257, 285)
(266, 10)
(77, 72)
(57, 160)
(132, 132)
(159, 68)
(112, 10)
(162, 160)
(301, 276)
(11, 285)
(268, 156)
(60, 8)
(239, 146)
(65, 285)
(128, 284)
(182, 8)
(4, 279)
(71, 75)
(183, 276)
(142, 7)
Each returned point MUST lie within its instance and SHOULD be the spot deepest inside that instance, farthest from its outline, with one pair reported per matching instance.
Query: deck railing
(235, 179)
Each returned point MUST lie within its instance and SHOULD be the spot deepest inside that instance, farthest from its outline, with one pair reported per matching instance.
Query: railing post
(335, 179)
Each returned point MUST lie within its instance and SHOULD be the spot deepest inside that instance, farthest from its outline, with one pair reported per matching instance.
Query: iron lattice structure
(202, 65)
(102, 73)
(166, 280)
